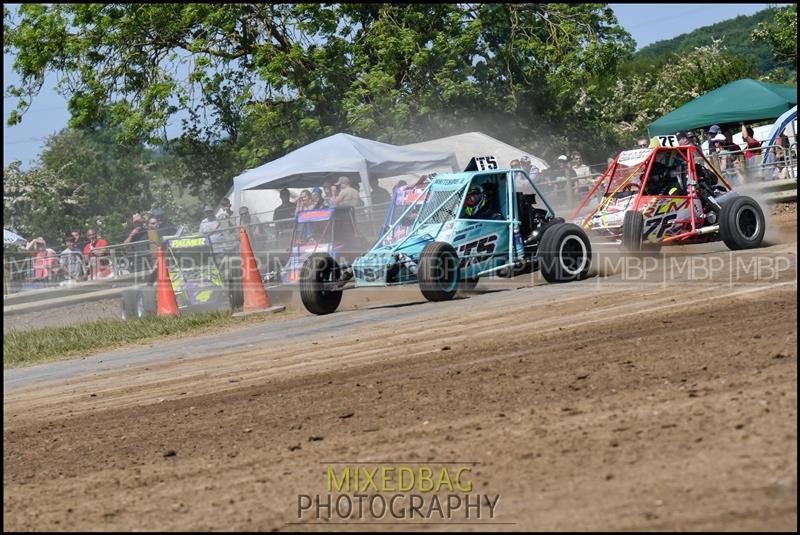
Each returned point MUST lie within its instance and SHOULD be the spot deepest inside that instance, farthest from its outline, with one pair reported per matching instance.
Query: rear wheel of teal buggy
(317, 282)
(437, 271)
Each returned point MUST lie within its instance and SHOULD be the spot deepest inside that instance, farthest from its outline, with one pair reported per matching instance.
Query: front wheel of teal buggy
(318, 280)
(437, 271)
(565, 253)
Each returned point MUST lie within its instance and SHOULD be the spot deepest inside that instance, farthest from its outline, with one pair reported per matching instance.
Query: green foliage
(780, 36)
(41, 202)
(267, 78)
(86, 180)
(251, 82)
(732, 34)
(640, 99)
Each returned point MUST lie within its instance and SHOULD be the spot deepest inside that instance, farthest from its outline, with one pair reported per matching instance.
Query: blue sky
(647, 23)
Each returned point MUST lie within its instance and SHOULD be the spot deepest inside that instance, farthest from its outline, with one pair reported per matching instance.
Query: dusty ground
(610, 404)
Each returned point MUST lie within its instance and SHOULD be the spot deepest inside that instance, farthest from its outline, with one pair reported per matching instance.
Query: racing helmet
(476, 199)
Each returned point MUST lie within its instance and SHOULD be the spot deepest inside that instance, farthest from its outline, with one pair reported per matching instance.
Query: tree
(86, 179)
(41, 202)
(641, 98)
(257, 80)
(781, 36)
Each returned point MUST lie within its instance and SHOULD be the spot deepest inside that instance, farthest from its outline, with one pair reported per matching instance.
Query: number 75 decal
(663, 221)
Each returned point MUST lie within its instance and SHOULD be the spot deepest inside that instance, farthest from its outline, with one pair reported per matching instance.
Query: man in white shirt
(347, 196)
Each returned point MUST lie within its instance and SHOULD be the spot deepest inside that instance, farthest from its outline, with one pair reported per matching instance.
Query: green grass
(23, 348)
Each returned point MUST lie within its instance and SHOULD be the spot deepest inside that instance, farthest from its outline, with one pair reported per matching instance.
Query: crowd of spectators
(89, 258)
(343, 192)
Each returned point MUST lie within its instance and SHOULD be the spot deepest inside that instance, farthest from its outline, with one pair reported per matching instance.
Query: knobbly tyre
(447, 247)
(329, 231)
(668, 195)
(201, 279)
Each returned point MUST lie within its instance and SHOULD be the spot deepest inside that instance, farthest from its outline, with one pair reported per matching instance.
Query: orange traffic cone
(167, 304)
(255, 295)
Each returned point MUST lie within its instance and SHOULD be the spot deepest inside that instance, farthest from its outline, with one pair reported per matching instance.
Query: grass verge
(23, 348)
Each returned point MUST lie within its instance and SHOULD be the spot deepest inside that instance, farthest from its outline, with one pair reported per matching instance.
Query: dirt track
(606, 404)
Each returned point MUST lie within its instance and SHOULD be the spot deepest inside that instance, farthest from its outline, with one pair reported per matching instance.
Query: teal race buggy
(448, 247)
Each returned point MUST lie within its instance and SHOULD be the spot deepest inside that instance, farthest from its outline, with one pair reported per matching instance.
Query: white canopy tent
(470, 144)
(340, 155)
(12, 238)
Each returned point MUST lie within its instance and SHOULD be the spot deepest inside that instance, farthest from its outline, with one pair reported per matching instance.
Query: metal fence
(780, 163)
(267, 236)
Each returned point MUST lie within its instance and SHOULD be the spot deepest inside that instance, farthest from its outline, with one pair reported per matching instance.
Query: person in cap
(712, 132)
(347, 196)
(210, 224)
(562, 170)
(225, 211)
(317, 201)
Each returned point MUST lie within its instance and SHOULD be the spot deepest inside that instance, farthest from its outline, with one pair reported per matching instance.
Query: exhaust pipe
(708, 230)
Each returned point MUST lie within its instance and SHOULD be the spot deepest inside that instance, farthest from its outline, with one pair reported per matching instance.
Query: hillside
(735, 36)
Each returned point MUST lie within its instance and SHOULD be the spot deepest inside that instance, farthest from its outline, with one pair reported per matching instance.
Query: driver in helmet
(477, 205)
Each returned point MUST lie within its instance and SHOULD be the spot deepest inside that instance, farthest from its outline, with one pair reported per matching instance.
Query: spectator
(252, 222)
(138, 240)
(562, 170)
(776, 164)
(329, 191)
(582, 173)
(99, 263)
(71, 260)
(642, 143)
(245, 218)
(720, 156)
(753, 145)
(80, 243)
(165, 226)
(738, 176)
(317, 201)
(45, 261)
(379, 195)
(284, 211)
(529, 168)
(347, 196)
(712, 133)
(303, 201)
(561, 176)
(225, 211)
(152, 230)
(693, 139)
(520, 182)
(683, 138)
(210, 225)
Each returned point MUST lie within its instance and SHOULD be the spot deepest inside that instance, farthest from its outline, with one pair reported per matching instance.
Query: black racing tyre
(149, 300)
(138, 302)
(468, 284)
(235, 288)
(741, 223)
(633, 231)
(317, 270)
(543, 228)
(131, 299)
(437, 271)
(565, 253)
